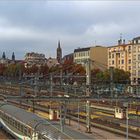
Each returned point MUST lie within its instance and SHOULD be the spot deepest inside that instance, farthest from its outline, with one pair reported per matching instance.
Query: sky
(38, 25)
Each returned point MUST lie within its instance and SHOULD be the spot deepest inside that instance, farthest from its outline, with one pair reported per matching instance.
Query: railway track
(99, 123)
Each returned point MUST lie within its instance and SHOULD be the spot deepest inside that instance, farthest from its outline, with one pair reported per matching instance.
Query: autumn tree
(119, 76)
(2, 69)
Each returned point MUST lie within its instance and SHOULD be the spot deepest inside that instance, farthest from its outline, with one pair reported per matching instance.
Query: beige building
(120, 57)
(97, 55)
(52, 62)
(126, 57)
(136, 61)
(34, 59)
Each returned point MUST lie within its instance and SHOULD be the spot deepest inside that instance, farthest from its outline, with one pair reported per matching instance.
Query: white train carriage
(120, 113)
(26, 125)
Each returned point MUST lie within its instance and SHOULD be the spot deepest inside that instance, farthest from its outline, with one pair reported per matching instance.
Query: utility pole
(20, 92)
(51, 84)
(88, 84)
(36, 84)
(111, 82)
(126, 107)
(78, 116)
(61, 75)
(51, 89)
(61, 117)
(88, 77)
(36, 88)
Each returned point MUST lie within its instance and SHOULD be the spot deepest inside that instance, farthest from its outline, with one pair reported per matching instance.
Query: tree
(44, 69)
(119, 76)
(2, 69)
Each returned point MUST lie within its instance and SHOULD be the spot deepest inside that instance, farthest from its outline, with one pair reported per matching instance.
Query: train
(26, 125)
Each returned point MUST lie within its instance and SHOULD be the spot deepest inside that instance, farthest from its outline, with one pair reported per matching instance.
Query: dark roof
(136, 38)
(71, 54)
(82, 49)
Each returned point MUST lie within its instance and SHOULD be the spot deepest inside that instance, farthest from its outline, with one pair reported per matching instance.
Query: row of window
(14, 123)
(81, 54)
(120, 49)
(134, 72)
(81, 60)
(120, 62)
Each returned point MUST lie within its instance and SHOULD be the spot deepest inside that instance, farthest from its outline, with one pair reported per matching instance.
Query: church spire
(59, 44)
(3, 55)
(13, 57)
(59, 52)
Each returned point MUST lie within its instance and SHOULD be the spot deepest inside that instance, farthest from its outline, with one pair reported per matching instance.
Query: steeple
(59, 44)
(13, 57)
(59, 52)
(3, 55)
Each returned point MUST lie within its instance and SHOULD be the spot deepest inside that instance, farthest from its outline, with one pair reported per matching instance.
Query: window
(129, 68)
(112, 62)
(138, 72)
(139, 48)
(119, 55)
(109, 55)
(138, 56)
(112, 55)
(122, 61)
(129, 61)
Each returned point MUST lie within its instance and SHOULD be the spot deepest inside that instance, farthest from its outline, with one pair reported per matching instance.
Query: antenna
(120, 36)
(95, 42)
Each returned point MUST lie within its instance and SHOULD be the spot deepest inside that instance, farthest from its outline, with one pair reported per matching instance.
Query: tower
(3, 55)
(13, 57)
(59, 53)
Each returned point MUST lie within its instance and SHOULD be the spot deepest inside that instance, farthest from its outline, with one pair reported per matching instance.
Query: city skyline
(37, 26)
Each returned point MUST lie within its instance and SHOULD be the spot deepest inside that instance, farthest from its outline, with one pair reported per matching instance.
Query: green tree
(119, 76)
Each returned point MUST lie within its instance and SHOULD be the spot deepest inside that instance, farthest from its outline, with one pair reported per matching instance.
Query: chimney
(119, 42)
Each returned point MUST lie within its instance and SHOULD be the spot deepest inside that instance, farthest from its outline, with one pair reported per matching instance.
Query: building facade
(5, 61)
(34, 59)
(97, 55)
(126, 57)
(68, 58)
(51, 62)
(120, 56)
(136, 61)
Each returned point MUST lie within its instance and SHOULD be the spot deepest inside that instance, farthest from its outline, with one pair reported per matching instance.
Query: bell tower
(59, 52)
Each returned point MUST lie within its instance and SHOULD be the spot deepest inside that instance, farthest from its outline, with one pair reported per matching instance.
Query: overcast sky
(37, 25)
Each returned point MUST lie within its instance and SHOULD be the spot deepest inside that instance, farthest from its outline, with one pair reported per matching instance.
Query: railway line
(103, 121)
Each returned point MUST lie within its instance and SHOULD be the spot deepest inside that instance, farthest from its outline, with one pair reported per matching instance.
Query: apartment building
(136, 61)
(120, 56)
(97, 54)
(34, 59)
(126, 57)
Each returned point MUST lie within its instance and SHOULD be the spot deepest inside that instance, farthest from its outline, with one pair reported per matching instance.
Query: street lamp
(126, 107)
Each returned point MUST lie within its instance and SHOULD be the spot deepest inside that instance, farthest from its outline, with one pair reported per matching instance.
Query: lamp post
(78, 115)
(126, 107)
(88, 84)
(111, 82)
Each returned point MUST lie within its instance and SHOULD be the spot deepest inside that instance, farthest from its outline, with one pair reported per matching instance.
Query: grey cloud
(38, 25)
